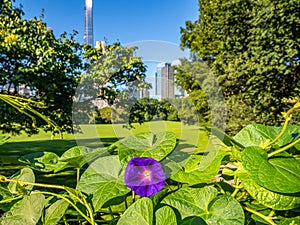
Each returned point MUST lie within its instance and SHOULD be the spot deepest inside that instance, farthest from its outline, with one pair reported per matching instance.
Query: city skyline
(163, 84)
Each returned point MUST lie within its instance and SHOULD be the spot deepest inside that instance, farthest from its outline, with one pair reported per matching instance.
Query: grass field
(189, 138)
(102, 135)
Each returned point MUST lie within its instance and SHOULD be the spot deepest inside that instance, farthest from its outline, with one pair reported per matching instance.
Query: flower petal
(136, 179)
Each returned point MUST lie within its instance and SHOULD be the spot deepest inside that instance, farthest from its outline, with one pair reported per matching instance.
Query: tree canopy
(113, 76)
(49, 69)
(31, 57)
(114, 71)
(253, 48)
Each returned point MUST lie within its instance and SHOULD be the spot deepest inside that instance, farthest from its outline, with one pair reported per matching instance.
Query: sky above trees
(117, 20)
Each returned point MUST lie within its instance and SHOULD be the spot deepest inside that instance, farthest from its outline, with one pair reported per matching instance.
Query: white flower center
(147, 174)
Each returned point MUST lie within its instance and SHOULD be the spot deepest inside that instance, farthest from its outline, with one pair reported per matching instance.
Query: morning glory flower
(145, 176)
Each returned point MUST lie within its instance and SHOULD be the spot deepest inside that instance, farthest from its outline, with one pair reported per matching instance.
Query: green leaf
(156, 199)
(25, 212)
(141, 211)
(6, 160)
(104, 180)
(266, 197)
(156, 146)
(4, 195)
(77, 156)
(4, 191)
(192, 220)
(225, 138)
(25, 174)
(256, 205)
(75, 195)
(41, 161)
(55, 212)
(205, 203)
(288, 221)
(279, 174)
(258, 219)
(256, 134)
(199, 168)
(165, 216)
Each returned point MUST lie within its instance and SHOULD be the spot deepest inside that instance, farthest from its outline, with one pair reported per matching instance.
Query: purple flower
(145, 176)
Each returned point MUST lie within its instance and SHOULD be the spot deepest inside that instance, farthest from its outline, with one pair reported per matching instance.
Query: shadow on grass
(10, 151)
(56, 146)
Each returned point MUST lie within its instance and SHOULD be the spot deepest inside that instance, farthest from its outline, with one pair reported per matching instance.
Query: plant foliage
(252, 48)
(251, 178)
(36, 64)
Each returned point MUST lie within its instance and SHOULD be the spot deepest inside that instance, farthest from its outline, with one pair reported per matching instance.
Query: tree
(33, 58)
(114, 76)
(191, 76)
(253, 48)
(114, 71)
(50, 69)
(144, 110)
(168, 110)
(106, 114)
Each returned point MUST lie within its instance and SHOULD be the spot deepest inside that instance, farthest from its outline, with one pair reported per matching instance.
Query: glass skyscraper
(88, 22)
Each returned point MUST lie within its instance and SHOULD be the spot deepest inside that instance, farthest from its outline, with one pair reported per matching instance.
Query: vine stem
(272, 213)
(23, 104)
(266, 218)
(111, 213)
(235, 192)
(133, 196)
(287, 117)
(283, 148)
(10, 199)
(244, 193)
(65, 220)
(91, 221)
(89, 209)
(6, 180)
(126, 204)
(238, 186)
(77, 175)
(81, 220)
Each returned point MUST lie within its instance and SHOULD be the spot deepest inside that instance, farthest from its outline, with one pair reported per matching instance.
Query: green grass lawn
(102, 135)
(190, 138)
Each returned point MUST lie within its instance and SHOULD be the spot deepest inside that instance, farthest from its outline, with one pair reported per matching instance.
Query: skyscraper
(88, 22)
(167, 81)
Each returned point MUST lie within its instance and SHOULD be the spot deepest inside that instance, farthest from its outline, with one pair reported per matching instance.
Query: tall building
(167, 81)
(145, 94)
(157, 85)
(88, 22)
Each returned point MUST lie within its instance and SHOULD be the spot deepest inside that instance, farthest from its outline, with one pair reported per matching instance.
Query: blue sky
(117, 20)
(152, 25)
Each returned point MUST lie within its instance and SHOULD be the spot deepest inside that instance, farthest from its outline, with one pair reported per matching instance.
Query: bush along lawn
(145, 179)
